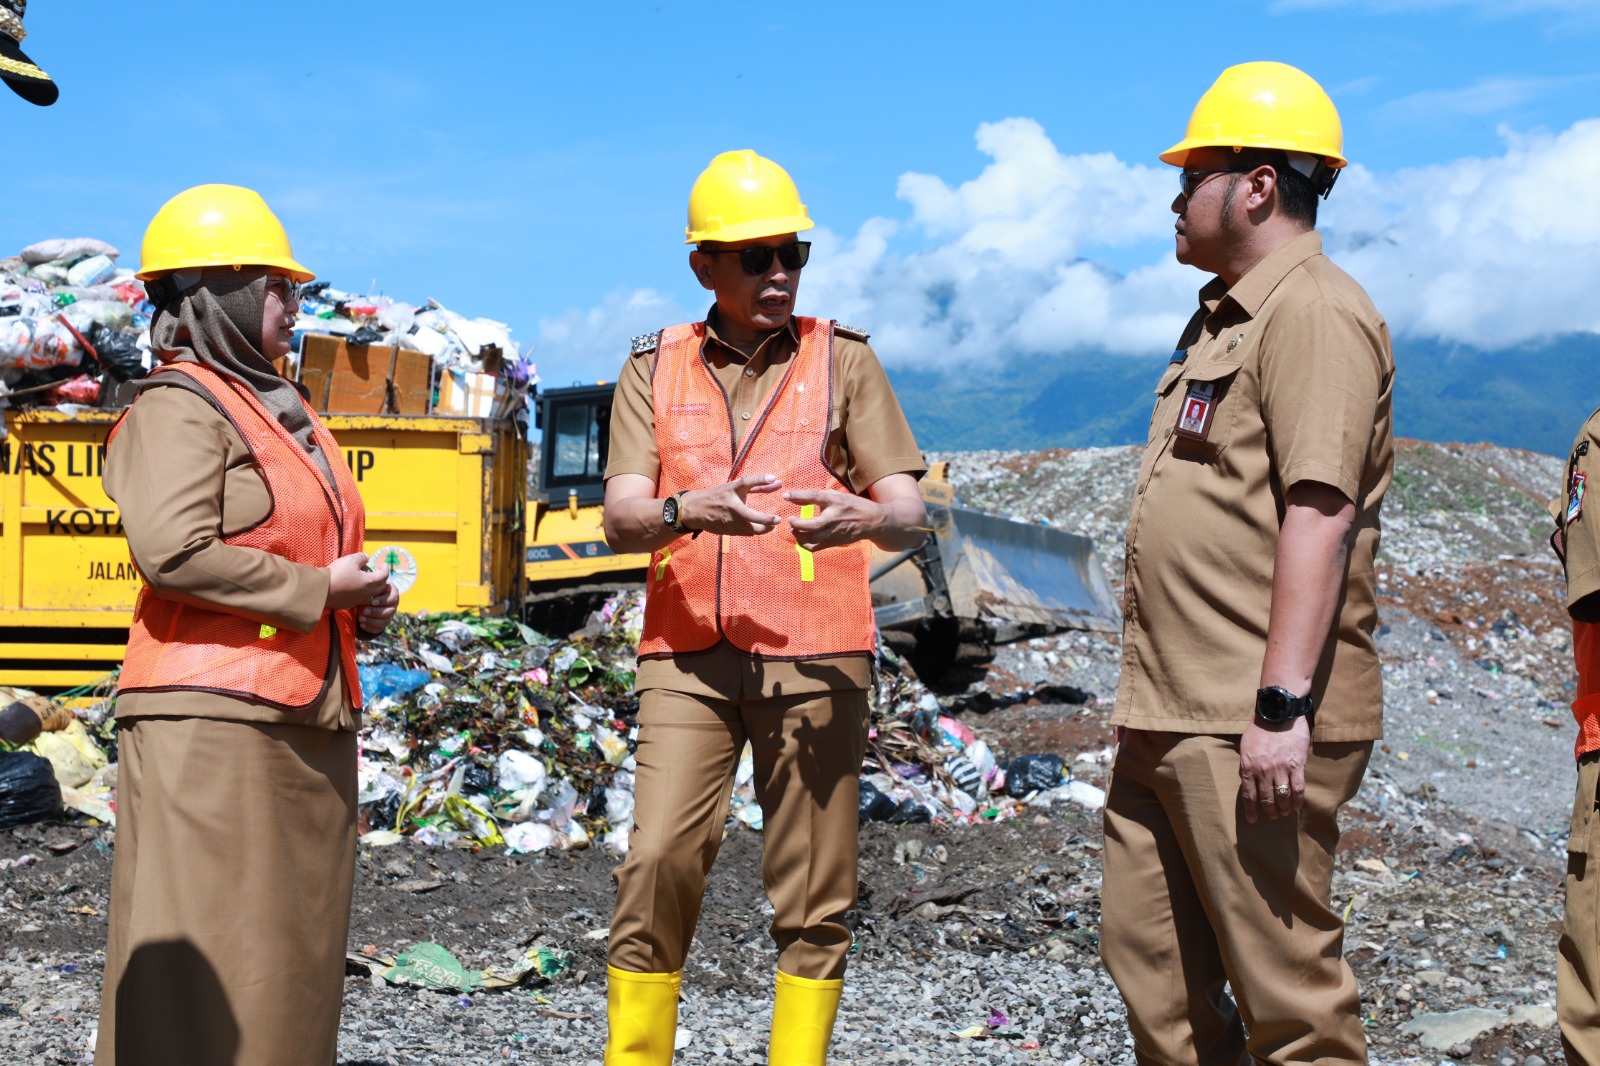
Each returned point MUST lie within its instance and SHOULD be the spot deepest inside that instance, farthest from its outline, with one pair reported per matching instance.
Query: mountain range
(1534, 396)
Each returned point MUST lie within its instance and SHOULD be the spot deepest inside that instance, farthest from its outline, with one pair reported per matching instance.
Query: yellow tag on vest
(268, 632)
(808, 563)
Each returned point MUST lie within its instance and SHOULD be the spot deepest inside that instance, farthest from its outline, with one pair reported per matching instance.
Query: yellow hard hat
(216, 225)
(743, 195)
(1264, 105)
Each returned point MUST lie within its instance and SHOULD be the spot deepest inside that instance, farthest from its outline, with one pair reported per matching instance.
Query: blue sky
(983, 176)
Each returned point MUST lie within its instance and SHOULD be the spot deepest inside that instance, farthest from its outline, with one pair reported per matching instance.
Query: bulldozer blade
(1028, 574)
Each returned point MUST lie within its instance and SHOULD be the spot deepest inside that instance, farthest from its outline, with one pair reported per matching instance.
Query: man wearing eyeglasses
(1250, 694)
(757, 455)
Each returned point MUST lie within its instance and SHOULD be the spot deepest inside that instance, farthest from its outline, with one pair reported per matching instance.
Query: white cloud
(1488, 252)
(1491, 251)
(1012, 273)
(582, 347)
(1486, 96)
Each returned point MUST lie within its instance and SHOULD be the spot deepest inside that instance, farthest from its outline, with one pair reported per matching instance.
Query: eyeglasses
(757, 259)
(288, 289)
(1190, 180)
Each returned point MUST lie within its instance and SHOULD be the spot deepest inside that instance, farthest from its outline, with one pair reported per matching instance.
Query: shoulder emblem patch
(1575, 493)
(648, 342)
(850, 331)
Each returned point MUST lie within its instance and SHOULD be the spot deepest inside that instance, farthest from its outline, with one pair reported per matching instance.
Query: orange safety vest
(1586, 708)
(766, 595)
(177, 646)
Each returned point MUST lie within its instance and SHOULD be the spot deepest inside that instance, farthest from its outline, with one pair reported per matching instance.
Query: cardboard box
(364, 379)
(473, 395)
(411, 383)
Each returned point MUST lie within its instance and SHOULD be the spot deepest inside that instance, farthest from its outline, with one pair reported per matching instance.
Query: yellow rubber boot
(641, 1017)
(802, 1021)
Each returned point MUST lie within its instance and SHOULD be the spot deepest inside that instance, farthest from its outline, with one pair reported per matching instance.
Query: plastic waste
(517, 770)
(874, 805)
(80, 389)
(530, 837)
(67, 248)
(28, 789)
(91, 271)
(387, 679)
(430, 965)
(74, 756)
(119, 351)
(1033, 773)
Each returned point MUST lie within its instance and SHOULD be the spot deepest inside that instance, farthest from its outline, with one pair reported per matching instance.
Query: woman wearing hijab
(239, 699)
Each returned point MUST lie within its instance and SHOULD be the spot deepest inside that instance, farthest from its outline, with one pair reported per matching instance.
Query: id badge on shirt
(1199, 404)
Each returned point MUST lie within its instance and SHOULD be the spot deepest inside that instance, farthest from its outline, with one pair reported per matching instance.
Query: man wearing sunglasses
(1250, 693)
(758, 456)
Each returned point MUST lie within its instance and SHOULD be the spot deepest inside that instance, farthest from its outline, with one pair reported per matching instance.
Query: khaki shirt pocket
(1199, 409)
(1159, 422)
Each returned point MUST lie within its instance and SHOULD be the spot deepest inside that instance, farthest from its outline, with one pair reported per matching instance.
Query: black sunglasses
(757, 259)
(290, 290)
(1190, 180)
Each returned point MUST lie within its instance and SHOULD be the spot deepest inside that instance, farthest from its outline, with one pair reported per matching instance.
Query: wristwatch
(1276, 705)
(672, 513)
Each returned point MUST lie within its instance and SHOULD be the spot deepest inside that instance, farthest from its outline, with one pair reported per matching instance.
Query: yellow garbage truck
(444, 497)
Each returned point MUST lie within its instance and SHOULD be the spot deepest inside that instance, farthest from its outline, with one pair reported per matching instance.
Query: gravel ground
(1450, 867)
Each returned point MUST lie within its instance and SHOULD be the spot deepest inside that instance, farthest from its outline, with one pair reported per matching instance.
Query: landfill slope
(976, 940)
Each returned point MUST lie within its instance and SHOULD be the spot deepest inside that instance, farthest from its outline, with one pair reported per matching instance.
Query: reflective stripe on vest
(766, 595)
(1586, 708)
(174, 646)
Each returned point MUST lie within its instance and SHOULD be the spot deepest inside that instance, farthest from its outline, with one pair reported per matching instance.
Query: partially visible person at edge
(1577, 544)
(21, 74)
(758, 456)
(238, 705)
(1250, 693)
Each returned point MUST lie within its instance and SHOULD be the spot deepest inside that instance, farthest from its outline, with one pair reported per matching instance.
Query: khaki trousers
(807, 753)
(1195, 898)
(230, 894)
(1578, 956)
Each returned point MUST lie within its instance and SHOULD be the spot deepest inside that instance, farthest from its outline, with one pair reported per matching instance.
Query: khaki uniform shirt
(1297, 367)
(181, 475)
(868, 439)
(1574, 514)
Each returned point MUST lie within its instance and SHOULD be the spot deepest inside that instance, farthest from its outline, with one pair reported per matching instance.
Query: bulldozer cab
(576, 427)
(569, 567)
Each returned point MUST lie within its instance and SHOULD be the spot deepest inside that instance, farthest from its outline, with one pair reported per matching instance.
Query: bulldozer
(977, 581)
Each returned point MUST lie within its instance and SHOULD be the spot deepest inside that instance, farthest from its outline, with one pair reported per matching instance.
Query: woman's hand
(351, 584)
(374, 618)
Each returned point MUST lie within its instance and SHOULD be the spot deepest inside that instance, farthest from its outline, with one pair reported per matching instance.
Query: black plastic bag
(875, 806)
(28, 789)
(1033, 773)
(910, 812)
(477, 780)
(118, 350)
(383, 813)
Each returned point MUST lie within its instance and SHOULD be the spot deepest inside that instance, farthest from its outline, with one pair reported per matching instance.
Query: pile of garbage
(74, 326)
(485, 733)
(482, 732)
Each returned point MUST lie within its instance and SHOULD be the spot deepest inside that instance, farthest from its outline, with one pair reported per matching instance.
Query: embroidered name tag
(1199, 404)
(1575, 496)
(689, 409)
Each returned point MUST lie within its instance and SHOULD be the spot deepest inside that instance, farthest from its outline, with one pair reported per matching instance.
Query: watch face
(669, 512)
(1270, 707)
(1275, 705)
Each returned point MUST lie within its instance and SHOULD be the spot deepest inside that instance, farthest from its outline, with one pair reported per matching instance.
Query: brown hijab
(216, 322)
